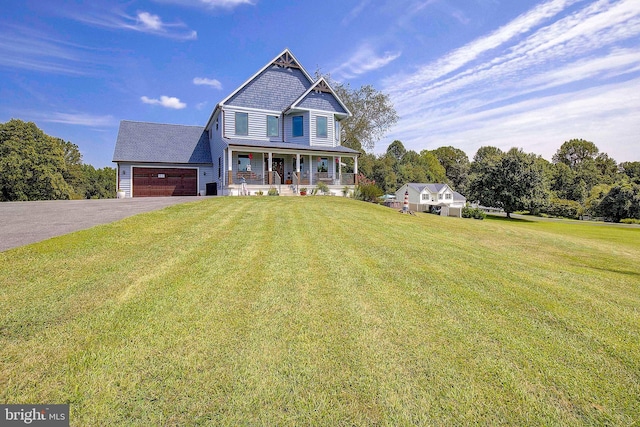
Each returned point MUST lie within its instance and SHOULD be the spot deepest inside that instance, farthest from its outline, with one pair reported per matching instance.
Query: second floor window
(321, 127)
(298, 126)
(272, 125)
(242, 124)
(447, 196)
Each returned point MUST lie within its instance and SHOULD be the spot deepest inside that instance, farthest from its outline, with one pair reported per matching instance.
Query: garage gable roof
(161, 143)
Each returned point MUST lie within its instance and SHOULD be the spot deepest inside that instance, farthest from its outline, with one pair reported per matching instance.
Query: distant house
(281, 128)
(432, 197)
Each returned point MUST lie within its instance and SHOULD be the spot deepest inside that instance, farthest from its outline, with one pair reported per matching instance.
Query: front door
(277, 165)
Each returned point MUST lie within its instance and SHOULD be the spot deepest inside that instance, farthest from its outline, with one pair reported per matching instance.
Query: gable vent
(286, 61)
(322, 87)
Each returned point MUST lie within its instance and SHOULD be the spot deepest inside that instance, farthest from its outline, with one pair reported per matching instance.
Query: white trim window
(321, 127)
(242, 123)
(272, 126)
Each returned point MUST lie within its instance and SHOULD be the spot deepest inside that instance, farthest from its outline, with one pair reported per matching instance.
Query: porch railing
(296, 182)
(274, 179)
(348, 179)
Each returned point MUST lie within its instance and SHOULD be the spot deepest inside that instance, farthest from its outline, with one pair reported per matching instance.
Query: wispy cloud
(365, 59)
(165, 101)
(211, 4)
(355, 12)
(79, 119)
(532, 72)
(29, 49)
(143, 21)
(207, 82)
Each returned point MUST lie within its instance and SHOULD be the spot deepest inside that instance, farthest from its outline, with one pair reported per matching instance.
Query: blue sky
(467, 73)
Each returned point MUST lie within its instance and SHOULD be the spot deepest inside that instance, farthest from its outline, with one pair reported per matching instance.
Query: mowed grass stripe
(324, 311)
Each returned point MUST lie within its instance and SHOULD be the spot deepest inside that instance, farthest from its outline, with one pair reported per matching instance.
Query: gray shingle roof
(161, 143)
(274, 89)
(435, 188)
(289, 145)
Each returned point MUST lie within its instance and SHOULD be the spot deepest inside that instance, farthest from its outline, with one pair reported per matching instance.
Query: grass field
(325, 311)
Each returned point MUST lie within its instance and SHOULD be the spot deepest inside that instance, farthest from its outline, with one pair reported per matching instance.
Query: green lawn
(325, 311)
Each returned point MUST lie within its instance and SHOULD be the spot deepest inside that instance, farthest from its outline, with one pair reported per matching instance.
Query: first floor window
(244, 163)
(242, 124)
(298, 126)
(272, 125)
(323, 164)
(321, 127)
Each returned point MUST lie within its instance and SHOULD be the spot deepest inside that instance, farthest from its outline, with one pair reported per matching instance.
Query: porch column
(230, 166)
(355, 170)
(298, 164)
(270, 167)
(340, 170)
(311, 169)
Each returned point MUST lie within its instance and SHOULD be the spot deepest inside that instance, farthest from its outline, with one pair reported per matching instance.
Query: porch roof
(249, 143)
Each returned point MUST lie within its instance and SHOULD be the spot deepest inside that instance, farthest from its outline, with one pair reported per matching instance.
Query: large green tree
(622, 201)
(372, 111)
(456, 165)
(32, 164)
(574, 152)
(512, 181)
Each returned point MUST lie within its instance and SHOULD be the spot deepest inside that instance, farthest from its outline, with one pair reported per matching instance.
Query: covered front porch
(251, 170)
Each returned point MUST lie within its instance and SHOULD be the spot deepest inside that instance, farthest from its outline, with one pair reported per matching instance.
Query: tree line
(36, 166)
(579, 181)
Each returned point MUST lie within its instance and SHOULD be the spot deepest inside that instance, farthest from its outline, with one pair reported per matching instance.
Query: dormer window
(242, 124)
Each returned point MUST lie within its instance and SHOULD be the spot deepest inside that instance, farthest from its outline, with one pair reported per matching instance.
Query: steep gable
(320, 96)
(275, 87)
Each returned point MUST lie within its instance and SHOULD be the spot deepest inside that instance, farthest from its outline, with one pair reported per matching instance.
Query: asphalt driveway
(22, 223)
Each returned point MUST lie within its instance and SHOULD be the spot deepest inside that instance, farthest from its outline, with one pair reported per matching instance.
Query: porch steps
(286, 190)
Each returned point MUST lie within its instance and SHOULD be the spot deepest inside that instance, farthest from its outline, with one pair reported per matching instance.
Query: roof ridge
(164, 124)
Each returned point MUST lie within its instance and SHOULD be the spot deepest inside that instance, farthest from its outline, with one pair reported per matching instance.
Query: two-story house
(280, 129)
(432, 197)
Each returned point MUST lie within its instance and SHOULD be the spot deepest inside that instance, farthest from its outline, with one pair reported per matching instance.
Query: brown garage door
(158, 182)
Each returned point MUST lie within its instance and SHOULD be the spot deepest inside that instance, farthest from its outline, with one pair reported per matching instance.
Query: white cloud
(29, 49)
(165, 101)
(543, 78)
(144, 22)
(227, 3)
(152, 22)
(210, 4)
(80, 119)
(365, 59)
(207, 82)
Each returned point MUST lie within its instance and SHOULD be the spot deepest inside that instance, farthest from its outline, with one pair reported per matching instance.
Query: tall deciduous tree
(373, 115)
(631, 170)
(574, 152)
(511, 180)
(622, 201)
(456, 165)
(32, 164)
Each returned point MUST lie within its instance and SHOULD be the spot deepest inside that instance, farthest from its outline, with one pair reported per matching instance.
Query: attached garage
(159, 182)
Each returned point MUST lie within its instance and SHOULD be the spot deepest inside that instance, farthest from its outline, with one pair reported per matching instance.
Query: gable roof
(274, 87)
(320, 96)
(436, 188)
(161, 143)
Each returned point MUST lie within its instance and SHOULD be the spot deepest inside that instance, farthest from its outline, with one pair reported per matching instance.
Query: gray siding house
(280, 129)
